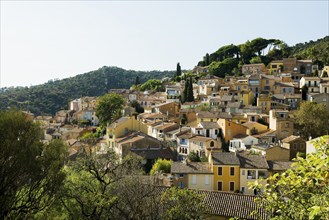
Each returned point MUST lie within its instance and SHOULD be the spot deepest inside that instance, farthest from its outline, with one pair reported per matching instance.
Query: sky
(44, 40)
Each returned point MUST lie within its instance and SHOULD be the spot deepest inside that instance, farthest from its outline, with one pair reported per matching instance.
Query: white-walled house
(242, 142)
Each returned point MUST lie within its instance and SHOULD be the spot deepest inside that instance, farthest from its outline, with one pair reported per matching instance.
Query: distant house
(192, 175)
(296, 145)
(226, 169)
(252, 167)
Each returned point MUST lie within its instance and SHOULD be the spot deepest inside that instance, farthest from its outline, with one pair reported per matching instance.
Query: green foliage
(137, 106)
(152, 84)
(109, 108)
(301, 192)
(222, 62)
(183, 204)
(223, 68)
(31, 172)
(193, 157)
(161, 165)
(189, 93)
(312, 119)
(255, 60)
(54, 95)
(178, 70)
(137, 82)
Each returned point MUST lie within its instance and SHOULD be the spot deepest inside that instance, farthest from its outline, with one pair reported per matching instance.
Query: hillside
(228, 59)
(54, 95)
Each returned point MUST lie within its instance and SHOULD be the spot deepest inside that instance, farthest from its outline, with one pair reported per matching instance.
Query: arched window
(212, 144)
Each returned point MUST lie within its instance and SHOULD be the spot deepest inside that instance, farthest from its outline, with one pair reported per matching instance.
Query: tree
(312, 119)
(137, 82)
(178, 70)
(189, 93)
(109, 108)
(137, 106)
(193, 157)
(161, 165)
(183, 204)
(301, 192)
(184, 95)
(30, 171)
(304, 92)
(255, 60)
(152, 84)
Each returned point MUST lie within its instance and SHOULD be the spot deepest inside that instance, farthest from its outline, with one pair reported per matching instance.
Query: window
(231, 186)
(216, 131)
(212, 144)
(232, 171)
(243, 173)
(220, 171)
(295, 146)
(251, 174)
(220, 186)
(267, 81)
(181, 175)
(181, 185)
(206, 180)
(262, 174)
(193, 179)
(242, 189)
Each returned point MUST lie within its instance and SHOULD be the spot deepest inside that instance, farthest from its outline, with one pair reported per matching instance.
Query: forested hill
(54, 95)
(229, 59)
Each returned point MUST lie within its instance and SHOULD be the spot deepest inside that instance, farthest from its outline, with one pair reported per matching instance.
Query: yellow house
(275, 66)
(192, 175)
(247, 97)
(226, 169)
(267, 83)
(264, 101)
(254, 127)
(231, 129)
(253, 167)
(121, 127)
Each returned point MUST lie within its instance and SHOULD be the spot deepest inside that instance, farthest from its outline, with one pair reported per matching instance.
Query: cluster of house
(248, 116)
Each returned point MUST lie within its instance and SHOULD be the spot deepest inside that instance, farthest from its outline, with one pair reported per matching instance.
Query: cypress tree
(184, 95)
(190, 97)
(137, 81)
(178, 70)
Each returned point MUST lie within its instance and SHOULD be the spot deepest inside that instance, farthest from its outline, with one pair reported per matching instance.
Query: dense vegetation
(55, 94)
(228, 60)
(39, 181)
(301, 192)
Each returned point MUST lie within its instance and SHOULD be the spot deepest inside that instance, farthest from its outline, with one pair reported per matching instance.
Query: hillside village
(240, 128)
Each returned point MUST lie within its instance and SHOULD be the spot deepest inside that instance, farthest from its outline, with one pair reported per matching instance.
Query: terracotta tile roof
(232, 205)
(120, 120)
(290, 138)
(225, 158)
(279, 165)
(167, 127)
(155, 153)
(265, 133)
(226, 204)
(201, 138)
(248, 160)
(191, 167)
(209, 124)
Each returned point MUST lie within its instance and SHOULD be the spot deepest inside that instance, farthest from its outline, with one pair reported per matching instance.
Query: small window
(206, 180)
(220, 186)
(231, 186)
(212, 144)
(220, 171)
(181, 185)
(193, 179)
(242, 189)
(232, 171)
(243, 173)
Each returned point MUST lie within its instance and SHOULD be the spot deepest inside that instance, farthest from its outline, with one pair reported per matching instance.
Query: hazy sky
(42, 40)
